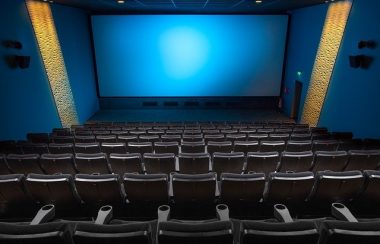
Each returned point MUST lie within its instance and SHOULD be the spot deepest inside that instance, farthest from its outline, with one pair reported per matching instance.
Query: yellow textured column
(50, 49)
(332, 34)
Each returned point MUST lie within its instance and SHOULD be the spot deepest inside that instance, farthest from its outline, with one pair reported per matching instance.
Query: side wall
(26, 101)
(353, 98)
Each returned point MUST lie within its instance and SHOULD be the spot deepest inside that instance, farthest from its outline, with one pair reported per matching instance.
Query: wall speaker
(355, 61)
(367, 44)
(360, 61)
(12, 44)
(23, 61)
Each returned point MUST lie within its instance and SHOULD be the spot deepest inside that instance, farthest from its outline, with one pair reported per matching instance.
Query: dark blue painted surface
(189, 55)
(304, 35)
(26, 102)
(353, 98)
(73, 30)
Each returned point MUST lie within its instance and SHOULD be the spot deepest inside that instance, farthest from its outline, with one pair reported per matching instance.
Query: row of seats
(341, 227)
(189, 163)
(249, 191)
(176, 147)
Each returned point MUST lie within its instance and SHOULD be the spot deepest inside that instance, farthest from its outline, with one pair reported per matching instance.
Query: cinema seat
(298, 146)
(58, 163)
(63, 139)
(236, 137)
(37, 231)
(300, 136)
(194, 188)
(4, 170)
(228, 163)
(140, 147)
(329, 160)
(149, 138)
(369, 198)
(113, 147)
(363, 160)
(60, 148)
(262, 162)
(125, 163)
(223, 147)
(105, 230)
(37, 148)
(127, 138)
(171, 138)
(296, 161)
(10, 147)
(347, 228)
(194, 163)
(214, 137)
(278, 137)
(272, 146)
(87, 147)
(291, 189)
(167, 147)
(58, 190)
(193, 147)
(213, 231)
(106, 138)
(257, 137)
(98, 190)
(242, 193)
(14, 198)
(325, 145)
(24, 163)
(92, 163)
(85, 139)
(285, 230)
(246, 146)
(146, 192)
(330, 187)
(156, 163)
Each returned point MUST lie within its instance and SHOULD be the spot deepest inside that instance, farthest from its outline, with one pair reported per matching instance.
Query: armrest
(341, 212)
(104, 215)
(44, 215)
(281, 213)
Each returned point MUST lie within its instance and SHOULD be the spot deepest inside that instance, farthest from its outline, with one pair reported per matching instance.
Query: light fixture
(120, 1)
(258, 1)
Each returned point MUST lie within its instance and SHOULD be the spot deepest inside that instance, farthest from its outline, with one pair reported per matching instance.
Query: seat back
(167, 147)
(214, 137)
(37, 148)
(272, 146)
(262, 162)
(85, 139)
(298, 146)
(194, 163)
(87, 147)
(125, 163)
(218, 232)
(333, 231)
(13, 193)
(330, 160)
(363, 160)
(60, 148)
(325, 145)
(296, 161)
(216, 146)
(198, 188)
(330, 187)
(4, 170)
(246, 146)
(58, 163)
(100, 190)
(298, 232)
(237, 188)
(38, 137)
(92, 163)
(228, 162)
(136, 233)
(24, 163)
(146, 189)
(192, 147)
(289, 188)
(106, 138)
(113, 147)
(159, 163)
(53, 189)
(140, 147)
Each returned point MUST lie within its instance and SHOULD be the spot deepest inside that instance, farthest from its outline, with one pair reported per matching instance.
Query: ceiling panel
(191, 6)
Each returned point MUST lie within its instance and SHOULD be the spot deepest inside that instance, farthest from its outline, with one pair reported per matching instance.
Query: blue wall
(26, 102)
(73, 30)
(304, 35)
(353, 98)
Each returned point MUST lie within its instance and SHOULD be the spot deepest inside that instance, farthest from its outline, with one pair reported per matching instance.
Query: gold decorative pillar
(332, 34)
(51, 53)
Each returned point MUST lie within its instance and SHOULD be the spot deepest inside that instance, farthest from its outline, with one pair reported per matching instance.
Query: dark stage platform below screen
(178, 115)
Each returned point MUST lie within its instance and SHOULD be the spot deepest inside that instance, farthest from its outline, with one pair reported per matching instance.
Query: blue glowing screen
(189, 55)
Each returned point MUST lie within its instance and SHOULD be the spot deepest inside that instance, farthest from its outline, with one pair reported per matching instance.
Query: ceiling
(191, 6)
